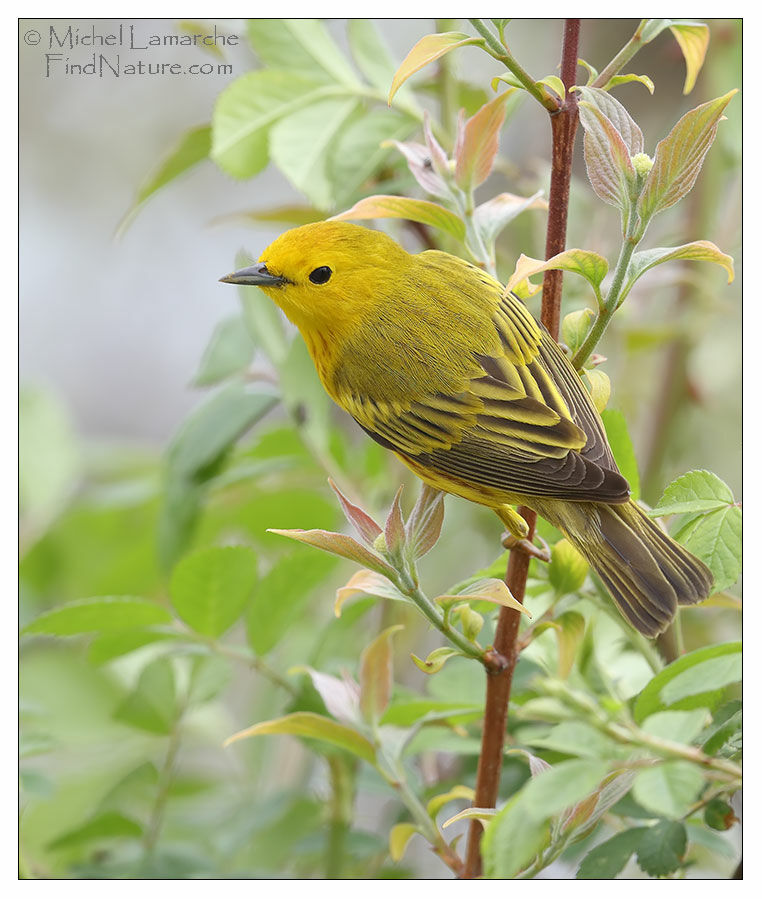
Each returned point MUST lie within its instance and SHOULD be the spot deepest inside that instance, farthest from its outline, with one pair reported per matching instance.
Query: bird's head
(327, 275)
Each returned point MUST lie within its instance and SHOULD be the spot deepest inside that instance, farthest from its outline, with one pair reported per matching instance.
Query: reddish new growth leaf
(365, 525)
(477, 142)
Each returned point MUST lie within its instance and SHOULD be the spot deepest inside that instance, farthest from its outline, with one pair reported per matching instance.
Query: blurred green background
(112, 334)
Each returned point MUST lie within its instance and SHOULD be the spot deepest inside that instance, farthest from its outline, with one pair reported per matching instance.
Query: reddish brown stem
(563, 130)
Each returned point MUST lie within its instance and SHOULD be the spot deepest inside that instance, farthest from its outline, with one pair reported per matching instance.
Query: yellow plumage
(434, 362)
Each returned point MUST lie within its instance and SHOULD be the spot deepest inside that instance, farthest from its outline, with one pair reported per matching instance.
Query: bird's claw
(527, 546)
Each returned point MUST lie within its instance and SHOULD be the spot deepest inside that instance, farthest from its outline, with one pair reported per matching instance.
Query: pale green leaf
(622, 448)
(570, 629)
(703, 691)
(679, 726)
(715, 672)
(399, 836)
(102, 826)
(300, 144)
(512, 839)
(263, 319)
(696, 251)
(101, 613)
(575, 327)
(576, 738)
(715, 538)
(435, 805)
(494, 214)
(428, 49)
(151, 705)
(279, 598)
(112, 644)
(303, 46)
(211, 587)
(561, 786)
(246, 110)
(599, 387)
(668, 789)
(555, 84)
(679, 157)
(339, 545)
(435, 660)
(376, 675)
(366, 583)
(317, 727)
(471, 814)
(693, 39)
(490, 589)
(423, 211)
(586, 263)
(229, 352)
(193, 147)
(694, 491)
(627, 79)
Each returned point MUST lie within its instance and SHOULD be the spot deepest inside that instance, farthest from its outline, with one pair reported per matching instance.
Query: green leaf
(213, 427)
(575, 328)
(339, 545)
(101, 613)
(715, 538)
(110, 646)
(609, 858)
(317, 727)
(247, 109)
(428, 49)
(376, 675)
(561, 786)
(669, 789)
(680, 727)
(436, 659)
(209, 675)
(555, 84)
(695, 491)
(570, 629)
(591, 266)
(622, 448)
(512, 839)
(696, 251)
(373, 57)
(576, 738)
(103, 826)
(627, 79)
(702, 692)
(193, 147)
(229, 352)
(598, 386)
(423, 211)
(693, 39)
(719, 815)
(280, 597)
(435, 805)
(399, 836)
(210, 587)
(727, 724)
(301, 142)
(49, 457)
(303, 46)
(662, 848)
(477, 143)
(719, 672)
(679, 157)
(151, 705)
(494, 214)
(360, 149)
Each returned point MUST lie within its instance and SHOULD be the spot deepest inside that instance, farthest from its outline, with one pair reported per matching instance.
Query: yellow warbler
(435, 362)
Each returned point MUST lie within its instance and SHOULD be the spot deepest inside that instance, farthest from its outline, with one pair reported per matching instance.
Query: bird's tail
(647, 573)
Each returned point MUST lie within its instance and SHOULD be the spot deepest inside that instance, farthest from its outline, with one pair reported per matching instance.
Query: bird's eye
(320, 275)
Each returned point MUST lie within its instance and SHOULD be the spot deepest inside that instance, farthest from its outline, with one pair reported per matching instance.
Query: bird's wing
(525, 426)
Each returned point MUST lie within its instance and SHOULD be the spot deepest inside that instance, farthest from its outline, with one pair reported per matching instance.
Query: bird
(438, 363)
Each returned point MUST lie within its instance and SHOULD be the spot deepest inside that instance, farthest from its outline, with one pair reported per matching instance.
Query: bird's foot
(527, 546)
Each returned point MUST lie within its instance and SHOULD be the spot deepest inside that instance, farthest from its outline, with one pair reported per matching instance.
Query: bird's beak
(257, 275)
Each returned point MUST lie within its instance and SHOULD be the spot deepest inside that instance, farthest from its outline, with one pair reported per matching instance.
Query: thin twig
(563, 129)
